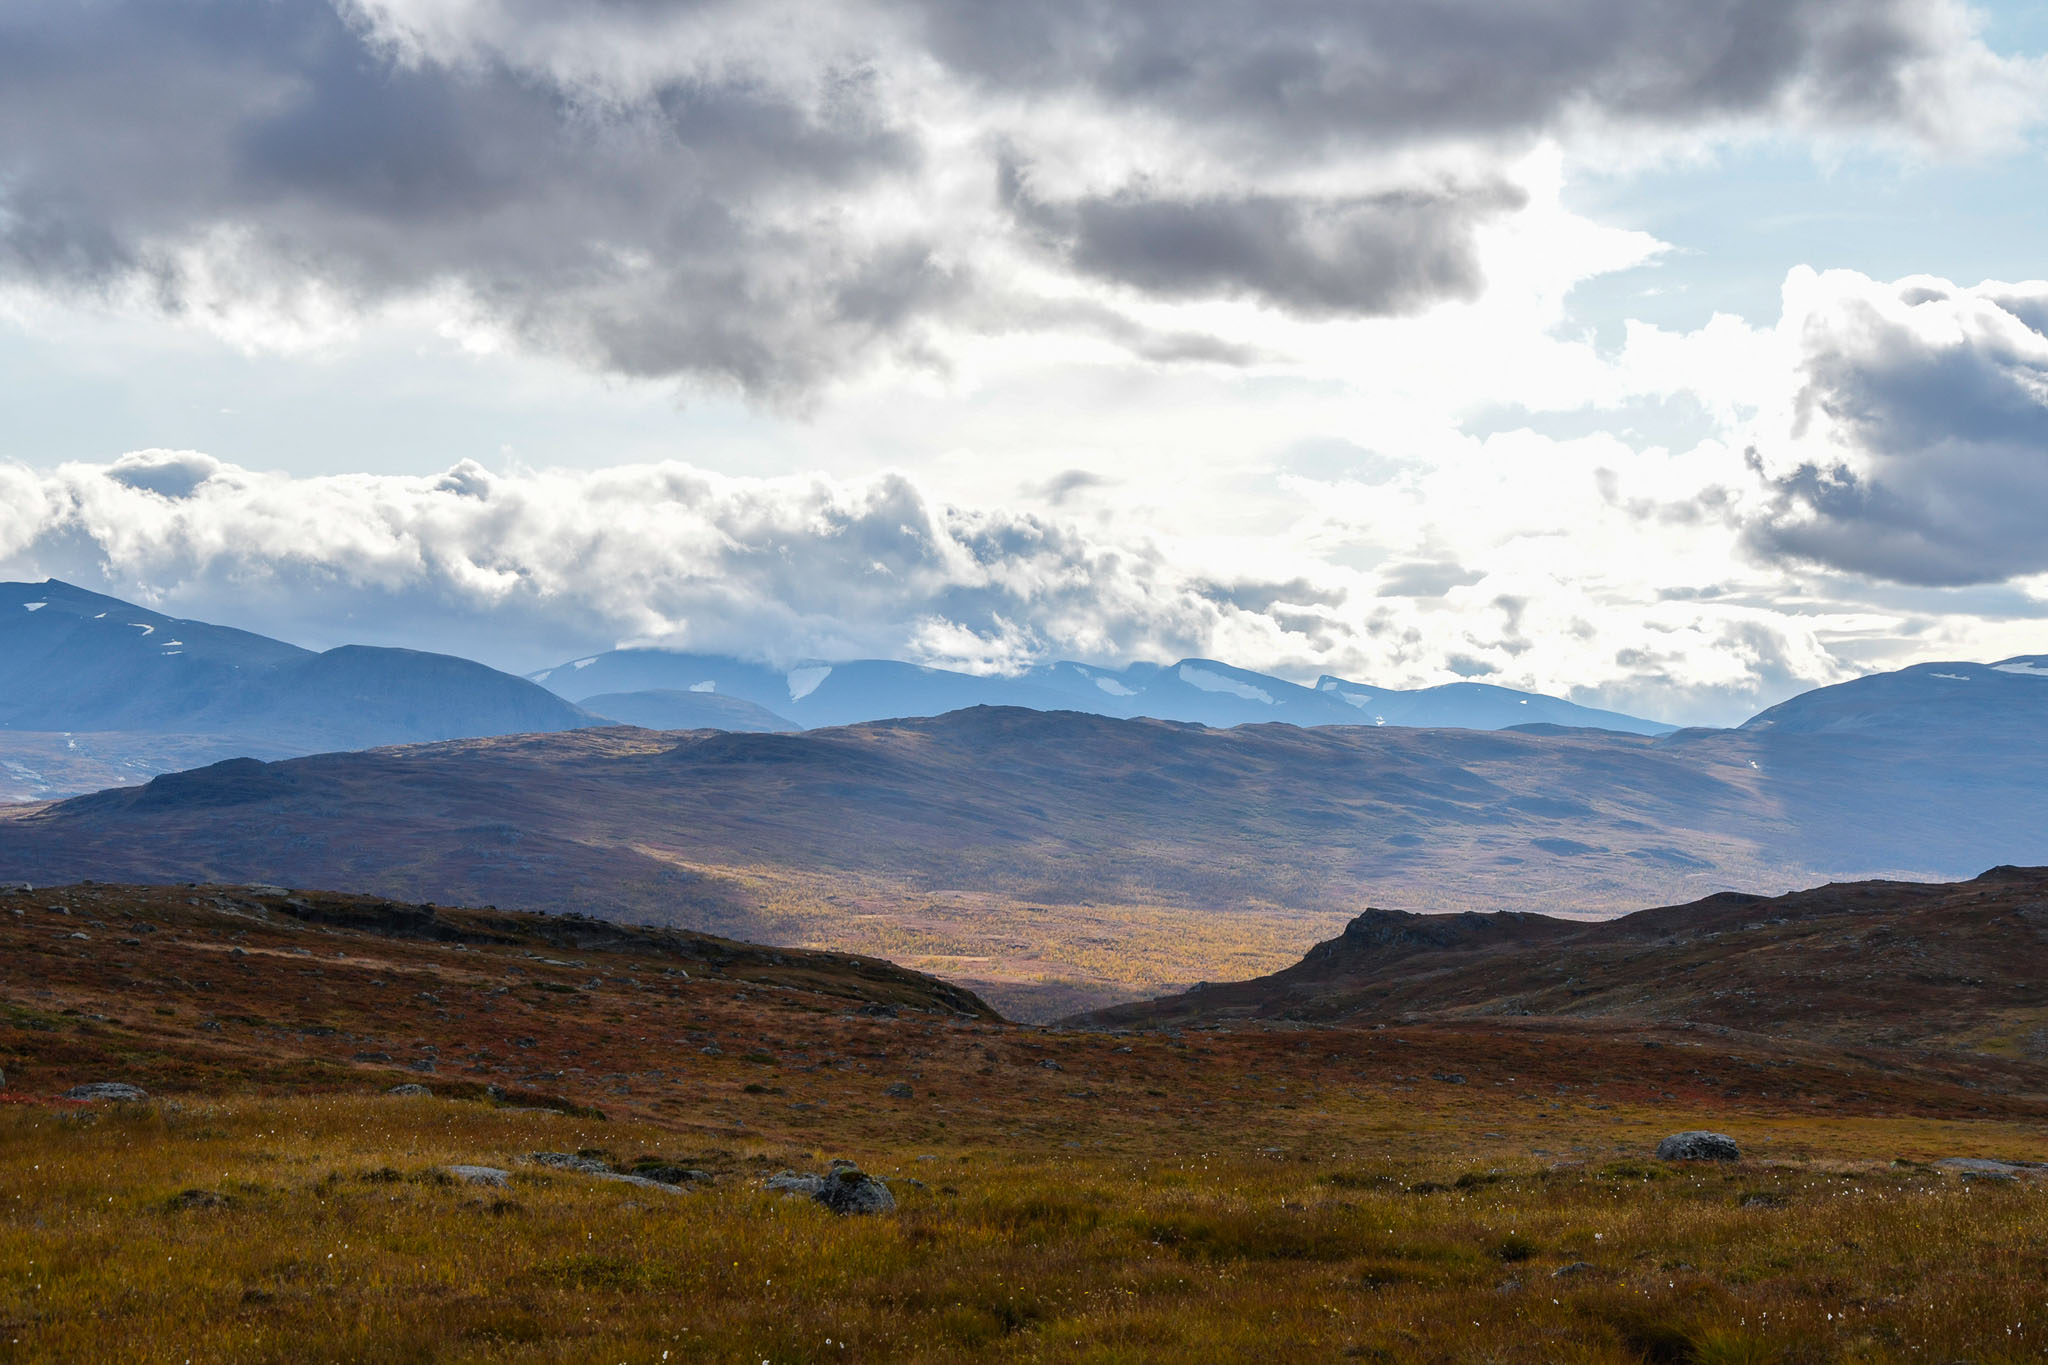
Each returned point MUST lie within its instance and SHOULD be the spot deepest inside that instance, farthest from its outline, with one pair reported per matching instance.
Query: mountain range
(96, 692)
(1202, 691)
(1066, 859)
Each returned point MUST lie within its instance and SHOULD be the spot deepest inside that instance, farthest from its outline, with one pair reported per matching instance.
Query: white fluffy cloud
(525, 569)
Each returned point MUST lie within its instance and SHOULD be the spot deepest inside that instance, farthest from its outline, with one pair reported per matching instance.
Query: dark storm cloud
(640, 237)
(711, 196)
(1295, 77)
(1944, 479)
(1370, 255)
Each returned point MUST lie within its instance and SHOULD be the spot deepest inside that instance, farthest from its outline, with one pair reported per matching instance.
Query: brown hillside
(1959, 966)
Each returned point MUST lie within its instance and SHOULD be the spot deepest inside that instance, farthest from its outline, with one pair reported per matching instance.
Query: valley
(1056, 861)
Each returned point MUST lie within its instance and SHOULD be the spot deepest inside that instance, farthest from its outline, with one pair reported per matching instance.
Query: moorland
(1441, 1184)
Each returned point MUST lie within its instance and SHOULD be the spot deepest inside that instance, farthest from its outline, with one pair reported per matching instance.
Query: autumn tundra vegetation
(361, 1130)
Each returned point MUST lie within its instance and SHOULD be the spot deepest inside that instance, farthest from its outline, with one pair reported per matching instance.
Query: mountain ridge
(77, 663)
(1201, 690)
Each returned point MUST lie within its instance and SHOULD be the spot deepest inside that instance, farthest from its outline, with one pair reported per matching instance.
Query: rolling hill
(1056, 859)
(1959, 966)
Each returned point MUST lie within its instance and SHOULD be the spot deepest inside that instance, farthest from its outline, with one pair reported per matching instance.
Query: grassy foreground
(323, 1228)
(1448, 1191)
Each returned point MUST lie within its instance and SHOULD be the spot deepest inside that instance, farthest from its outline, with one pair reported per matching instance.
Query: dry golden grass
(322, 1229)
(1034, 960)
(1401, 1194)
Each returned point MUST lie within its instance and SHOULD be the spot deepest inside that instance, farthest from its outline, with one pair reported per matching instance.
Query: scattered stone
(672, 1175)
(479, 1175)
(107, 1090)
(1698, 1145)
(1981, 1168)
(1572, 1271)
(196, 1199)
(409, 1088)
(1050, 1065)
(844, 1189)
(847, 1190)
(900, 1091)
(590, 1166)
(1447, 1077)
(83, 936)
(876, 1009)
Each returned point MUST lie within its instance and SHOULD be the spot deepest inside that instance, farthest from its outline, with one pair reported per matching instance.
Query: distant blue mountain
(1987, 699)
(76, 661)
(1203, 691)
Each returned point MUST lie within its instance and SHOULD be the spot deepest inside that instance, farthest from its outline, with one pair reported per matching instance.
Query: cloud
(1426, 579)
(770, 196)
(523, 568)
(1295, 77)
(1374, 255)
(1918, 449)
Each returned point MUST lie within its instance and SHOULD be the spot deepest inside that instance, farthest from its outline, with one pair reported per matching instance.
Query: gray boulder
(408, 1089)
(479, 1175)
(796, 1183)
(107, 1090)
(1981, 1168)
(848, 1190)
(583, 1165)
(900, 1091)
(844, 1189)
(1698, 1145)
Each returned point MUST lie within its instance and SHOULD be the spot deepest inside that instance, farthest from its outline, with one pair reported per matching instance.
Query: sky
(1667, 355)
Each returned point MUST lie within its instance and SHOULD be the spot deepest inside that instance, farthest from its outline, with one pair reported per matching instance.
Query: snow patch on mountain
(1217, 682)
(1115, 688)
(804, 681)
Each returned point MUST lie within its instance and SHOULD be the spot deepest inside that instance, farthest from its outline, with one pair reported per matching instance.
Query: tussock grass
(324, 1228)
